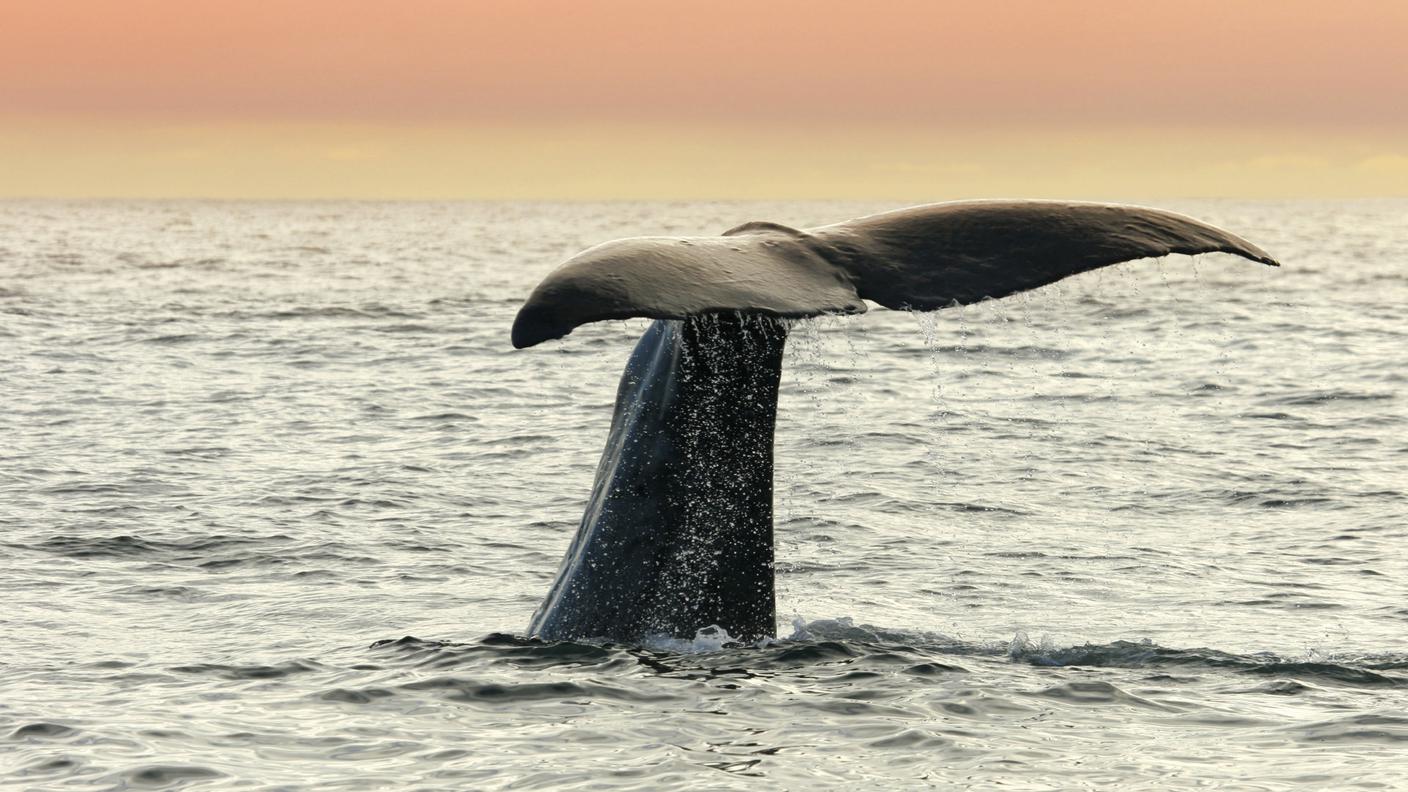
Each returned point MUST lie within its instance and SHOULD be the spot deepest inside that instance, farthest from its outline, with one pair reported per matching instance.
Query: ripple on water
(44, 732)
(162, 776)
(1099, 693)
(248, 672)
(1372, 727)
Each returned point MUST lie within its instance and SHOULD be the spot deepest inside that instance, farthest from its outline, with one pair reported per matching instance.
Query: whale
(677, 533)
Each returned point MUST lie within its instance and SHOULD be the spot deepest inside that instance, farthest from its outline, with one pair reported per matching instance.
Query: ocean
(278, 499)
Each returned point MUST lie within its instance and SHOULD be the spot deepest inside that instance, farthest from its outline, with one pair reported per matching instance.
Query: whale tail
(923, 258)
(677, 534)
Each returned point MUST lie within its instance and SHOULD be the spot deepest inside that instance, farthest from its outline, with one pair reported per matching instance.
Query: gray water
(277, 500)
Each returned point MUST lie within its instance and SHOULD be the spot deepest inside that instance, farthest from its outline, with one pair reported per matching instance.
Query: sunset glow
(634, 99)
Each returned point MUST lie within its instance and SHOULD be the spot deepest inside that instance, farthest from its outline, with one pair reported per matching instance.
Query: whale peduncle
(677, 534)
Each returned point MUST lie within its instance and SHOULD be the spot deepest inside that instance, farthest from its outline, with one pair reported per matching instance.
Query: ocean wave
(829, 642)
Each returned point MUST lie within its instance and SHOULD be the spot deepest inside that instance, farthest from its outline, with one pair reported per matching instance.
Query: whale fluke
(922, 258)
(931, 257)
(770, 271)
(677, 534)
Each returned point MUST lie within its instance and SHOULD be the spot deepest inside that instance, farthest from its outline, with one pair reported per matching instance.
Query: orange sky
(677, 98)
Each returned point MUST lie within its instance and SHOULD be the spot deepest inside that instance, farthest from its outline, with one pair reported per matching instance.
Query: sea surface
(278, 499)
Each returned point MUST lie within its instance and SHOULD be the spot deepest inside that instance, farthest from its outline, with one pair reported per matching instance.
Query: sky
(678, 99)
